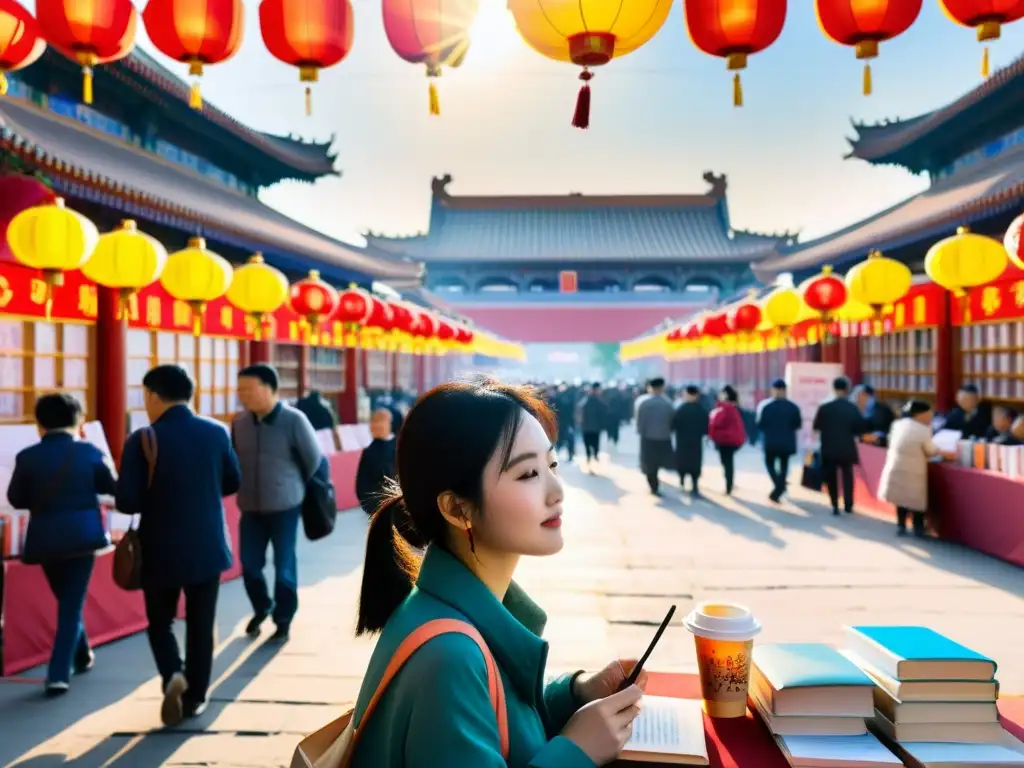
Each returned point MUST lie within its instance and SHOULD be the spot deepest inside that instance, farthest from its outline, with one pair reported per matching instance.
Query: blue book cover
(805, 665)
(920, 644)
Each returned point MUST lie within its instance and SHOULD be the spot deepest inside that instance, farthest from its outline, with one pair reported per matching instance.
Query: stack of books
(932, 697)
(815, 701)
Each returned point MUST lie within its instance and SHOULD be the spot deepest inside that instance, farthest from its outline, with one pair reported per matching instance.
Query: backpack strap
(420, 636)
(149, 450)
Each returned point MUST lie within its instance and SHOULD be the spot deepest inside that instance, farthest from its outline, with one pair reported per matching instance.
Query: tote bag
(127, 560)
(333, 746)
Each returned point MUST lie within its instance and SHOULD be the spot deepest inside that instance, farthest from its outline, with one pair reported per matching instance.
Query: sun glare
(493, 36)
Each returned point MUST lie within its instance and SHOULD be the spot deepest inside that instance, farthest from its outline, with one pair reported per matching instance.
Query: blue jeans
(280, 529)
(69, 581)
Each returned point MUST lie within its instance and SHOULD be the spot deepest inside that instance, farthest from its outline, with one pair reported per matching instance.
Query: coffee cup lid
(722, 621)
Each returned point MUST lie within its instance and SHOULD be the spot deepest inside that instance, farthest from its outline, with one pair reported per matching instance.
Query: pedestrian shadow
(132, 749)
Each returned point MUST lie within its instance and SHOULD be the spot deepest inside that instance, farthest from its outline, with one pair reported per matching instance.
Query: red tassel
(581, 117)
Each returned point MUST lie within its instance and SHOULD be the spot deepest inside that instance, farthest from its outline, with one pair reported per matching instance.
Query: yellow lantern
(854, 312)
(196, 276)
(588, 33)
(54, 239)
(965, 261)
(782, 308)
(127, 260)
(258, 289)
(878, 282)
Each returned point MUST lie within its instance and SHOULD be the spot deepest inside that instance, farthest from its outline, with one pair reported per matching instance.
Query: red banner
(1002, 300)
(922, 307)
(23, 294)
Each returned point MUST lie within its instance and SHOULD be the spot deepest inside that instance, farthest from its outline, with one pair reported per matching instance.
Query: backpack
(333, 746)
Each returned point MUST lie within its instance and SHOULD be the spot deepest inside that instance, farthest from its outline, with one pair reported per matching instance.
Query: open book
(668, 731)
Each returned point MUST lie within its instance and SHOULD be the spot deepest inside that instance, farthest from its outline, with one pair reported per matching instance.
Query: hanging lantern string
(581, 117)
(3, 83)
(87, 62)
(309, 75)
(987, 30)
(195, 95)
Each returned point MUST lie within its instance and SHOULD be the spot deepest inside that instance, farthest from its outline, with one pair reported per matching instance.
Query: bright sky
(661, 117)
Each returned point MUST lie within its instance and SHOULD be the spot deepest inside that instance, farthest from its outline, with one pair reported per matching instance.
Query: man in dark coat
(318, 410)
(593, 419)
(690, 424)
(778, 421)
(879, 416)
(376, 463)
(840, 424)
(182, 531)
(971, 417)
(654, 414)
(565, 411)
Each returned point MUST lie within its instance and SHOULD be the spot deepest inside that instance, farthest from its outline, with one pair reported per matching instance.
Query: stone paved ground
(627, 556)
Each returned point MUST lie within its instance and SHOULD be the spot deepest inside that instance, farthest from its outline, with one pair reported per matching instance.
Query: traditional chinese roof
(935, 139)
(577, 227)
(91, 164)
(974, 194)
(140, 72)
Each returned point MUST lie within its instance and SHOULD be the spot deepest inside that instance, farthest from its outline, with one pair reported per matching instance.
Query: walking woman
(726, 430)
(478, 479)
(904, 481)
(57, 480)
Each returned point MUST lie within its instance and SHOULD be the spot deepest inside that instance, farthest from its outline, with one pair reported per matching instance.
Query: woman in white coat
(904, 480)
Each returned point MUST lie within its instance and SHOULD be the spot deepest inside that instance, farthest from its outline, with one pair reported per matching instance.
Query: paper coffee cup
(724, 636)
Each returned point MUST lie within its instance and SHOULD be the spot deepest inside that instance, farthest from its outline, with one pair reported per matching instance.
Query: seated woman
(479, 485)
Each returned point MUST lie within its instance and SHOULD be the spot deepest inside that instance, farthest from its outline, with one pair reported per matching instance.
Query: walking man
(778, 420)
(593, 418)
(690, 424)
(278, 453)
(654, 414)
(840, 424)
(174, 474)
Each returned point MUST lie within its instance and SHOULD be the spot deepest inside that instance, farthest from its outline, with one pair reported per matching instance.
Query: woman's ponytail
(389, 568)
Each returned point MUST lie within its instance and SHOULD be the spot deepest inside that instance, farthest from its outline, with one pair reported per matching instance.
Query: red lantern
(463, 335)
(734, 30)
(354, 307)
(381, 315)
(434, 33)
(313, 299)
(427, 326)
(824, 293)
(714, 326)
(21, 42)
(1013, 241)
(745, 318)
(865, 25)
(195, 32)
(675, 335)
(986, 16)
(91, 32)
(403, 319)
(692, 332)
(445, 331)
(308, 34)
(18, 193)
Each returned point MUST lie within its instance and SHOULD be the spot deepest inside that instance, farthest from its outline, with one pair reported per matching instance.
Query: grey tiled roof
(76, 150)
(581, 228)
(973, 194)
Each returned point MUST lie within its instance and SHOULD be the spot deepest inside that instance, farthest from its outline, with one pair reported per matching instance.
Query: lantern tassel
(87, 85)
(3, 83)
(195, 96)
(867, 80)
(434, 99)
(309, 101)
(737, 90)
(985, 63)
(581, 117)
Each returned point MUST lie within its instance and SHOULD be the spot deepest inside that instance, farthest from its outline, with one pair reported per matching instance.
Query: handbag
(319, 505)
(333, 746)
(127, 560)
(812, 479)
(64, 534)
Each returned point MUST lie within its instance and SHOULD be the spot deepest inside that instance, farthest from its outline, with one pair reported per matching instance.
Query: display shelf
(287, 358)
(37, 358)
(901, 364)
(326, 370)
(991, 356)
(212, 363)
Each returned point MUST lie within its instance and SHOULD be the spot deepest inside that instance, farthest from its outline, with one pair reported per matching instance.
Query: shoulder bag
(127, 561)
(334, 745)
(63, 534)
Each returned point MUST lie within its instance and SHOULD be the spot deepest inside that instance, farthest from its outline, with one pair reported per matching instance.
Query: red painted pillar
(364, 369)
(945, 349)
(303, 371)
(393, 361)
(347, 405)
(419, 374)
(259, 352)
(111, 371)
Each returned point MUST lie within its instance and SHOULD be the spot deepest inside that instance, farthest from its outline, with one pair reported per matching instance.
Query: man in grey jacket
(654, 414)
(278, 453)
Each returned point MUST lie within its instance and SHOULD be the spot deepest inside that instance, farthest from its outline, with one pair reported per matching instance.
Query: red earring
(472, 544)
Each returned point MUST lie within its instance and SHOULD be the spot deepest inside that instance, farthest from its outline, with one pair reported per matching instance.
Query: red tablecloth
(746, 743)
(30, 612)
(973, 507)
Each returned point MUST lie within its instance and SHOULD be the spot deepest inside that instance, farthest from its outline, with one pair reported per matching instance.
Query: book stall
(908, 338)
(90, 324)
